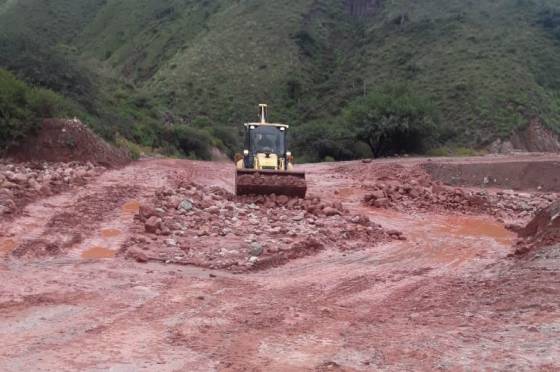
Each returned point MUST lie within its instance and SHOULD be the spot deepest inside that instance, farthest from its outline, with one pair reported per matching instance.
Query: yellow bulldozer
(266, 166)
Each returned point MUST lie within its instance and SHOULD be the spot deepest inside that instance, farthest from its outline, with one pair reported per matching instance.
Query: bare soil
(66, 140)
(158, 266)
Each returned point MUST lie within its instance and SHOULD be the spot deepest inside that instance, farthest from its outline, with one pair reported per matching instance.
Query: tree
(391, 121)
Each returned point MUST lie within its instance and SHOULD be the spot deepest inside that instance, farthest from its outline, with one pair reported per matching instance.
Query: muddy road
(85, 285)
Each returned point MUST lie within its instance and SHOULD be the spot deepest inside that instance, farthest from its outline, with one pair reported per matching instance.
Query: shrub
(134, 150)
(192, 142)
(228, 140)
(201, 122)
(22, 108)
(46, 104)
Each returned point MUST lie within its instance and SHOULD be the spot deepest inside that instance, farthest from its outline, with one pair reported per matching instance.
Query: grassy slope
(47, 22)
(485, 63)
(234, 64)
(136, 38)
(488, 65)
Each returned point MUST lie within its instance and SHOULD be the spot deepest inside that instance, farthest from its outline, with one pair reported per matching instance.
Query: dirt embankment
(517, 175)
(61, 140)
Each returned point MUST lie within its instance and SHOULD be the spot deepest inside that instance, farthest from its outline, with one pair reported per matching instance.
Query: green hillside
(485, 67)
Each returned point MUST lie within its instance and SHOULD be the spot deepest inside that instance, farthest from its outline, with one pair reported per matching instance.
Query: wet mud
(326, 291)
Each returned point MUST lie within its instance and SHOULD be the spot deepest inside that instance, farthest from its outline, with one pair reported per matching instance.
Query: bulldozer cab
(266, 139)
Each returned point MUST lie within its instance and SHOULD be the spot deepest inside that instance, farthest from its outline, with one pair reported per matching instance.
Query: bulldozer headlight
(246, 152)
(288, 154)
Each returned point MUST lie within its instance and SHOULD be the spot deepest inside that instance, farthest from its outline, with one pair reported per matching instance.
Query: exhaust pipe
(263, 113)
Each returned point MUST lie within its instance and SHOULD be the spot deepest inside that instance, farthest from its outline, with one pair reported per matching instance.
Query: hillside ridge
(488, 68)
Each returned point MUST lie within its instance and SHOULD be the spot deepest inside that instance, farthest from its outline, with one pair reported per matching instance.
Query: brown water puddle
(477, 227)
(98, 252)
(110, 233)
(7, 245)
(131, 207)
(450, 240)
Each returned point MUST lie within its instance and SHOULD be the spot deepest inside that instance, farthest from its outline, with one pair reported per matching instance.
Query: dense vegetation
(182, 75)
(22, 107)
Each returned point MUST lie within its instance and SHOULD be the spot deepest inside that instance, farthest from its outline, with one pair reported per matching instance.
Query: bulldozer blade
(267, 182)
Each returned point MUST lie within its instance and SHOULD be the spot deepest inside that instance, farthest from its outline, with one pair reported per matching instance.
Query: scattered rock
(186, 205)
(23, 183)
(413, 190)
(329, 211)
(282, 200)
(138, 256)
(256, 250)
(381, 203)
(153, 224)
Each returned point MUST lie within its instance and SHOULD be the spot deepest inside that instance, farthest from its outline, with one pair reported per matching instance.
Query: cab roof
(267, 125)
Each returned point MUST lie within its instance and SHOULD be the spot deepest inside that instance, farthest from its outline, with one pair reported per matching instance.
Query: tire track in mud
(93, 221)
(66, 229)
(56, 225)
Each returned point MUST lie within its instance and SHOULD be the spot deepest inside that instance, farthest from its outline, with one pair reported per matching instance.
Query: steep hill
(488, 67)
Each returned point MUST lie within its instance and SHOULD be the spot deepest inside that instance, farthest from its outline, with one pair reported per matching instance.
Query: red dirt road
(446, 298)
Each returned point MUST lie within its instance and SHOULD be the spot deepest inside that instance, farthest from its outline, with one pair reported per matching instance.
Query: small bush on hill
(227, 139)
(194, 143)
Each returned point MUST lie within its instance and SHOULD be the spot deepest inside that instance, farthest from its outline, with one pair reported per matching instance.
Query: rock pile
(25, 182)
(212, 228)
(434, 196)
(311, 204)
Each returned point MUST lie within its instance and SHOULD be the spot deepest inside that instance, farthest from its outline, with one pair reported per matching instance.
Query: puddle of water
(7, 245)
(450, 240)
(477, 227)
(110, 233)
(98, 252)
(131, 207)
